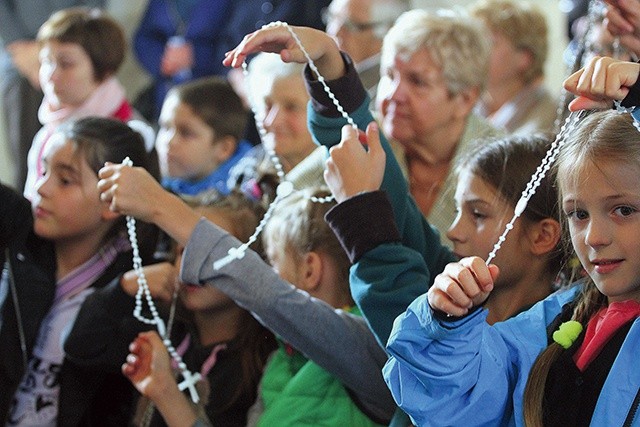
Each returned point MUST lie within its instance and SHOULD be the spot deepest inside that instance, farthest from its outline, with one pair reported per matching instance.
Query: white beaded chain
(535, 180)
(285, 188)
(189, 379)
(633, 111)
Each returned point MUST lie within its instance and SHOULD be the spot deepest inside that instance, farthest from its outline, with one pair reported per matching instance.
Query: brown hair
(98, 140)
(608, 136)
(101, 37)
(507, 164)
(214, 100)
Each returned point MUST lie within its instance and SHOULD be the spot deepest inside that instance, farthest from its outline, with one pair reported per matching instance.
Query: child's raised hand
(162, 279)
(353, 169)
(130, 191)
(148, 365)
(600, 82)
(462, 285)
(322, 49)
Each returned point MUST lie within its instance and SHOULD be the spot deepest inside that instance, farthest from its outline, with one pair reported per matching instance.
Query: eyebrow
(64, 167)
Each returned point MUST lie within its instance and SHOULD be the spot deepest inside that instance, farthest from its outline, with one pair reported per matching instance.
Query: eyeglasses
(329, 18)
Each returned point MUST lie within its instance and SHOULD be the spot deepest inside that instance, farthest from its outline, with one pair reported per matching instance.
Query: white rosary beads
(535, 180)
(189, 379)
(285, 188)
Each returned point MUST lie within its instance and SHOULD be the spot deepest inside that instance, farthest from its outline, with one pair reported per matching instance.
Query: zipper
(14, 296)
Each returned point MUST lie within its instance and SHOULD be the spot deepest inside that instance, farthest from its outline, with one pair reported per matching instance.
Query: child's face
(67, 206)
(66, 74)
(185, 143)
(205, 298)
(286, 118)
(481, 218)
(603, 213)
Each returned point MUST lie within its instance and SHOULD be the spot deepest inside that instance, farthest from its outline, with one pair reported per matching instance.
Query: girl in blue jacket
(570, 359)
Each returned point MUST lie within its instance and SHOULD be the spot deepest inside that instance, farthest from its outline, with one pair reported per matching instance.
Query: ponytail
(588, 303)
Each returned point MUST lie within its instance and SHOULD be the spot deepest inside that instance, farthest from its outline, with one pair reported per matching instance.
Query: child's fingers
(348, 133)
(107, 170)
(440, 301)
(482, 279)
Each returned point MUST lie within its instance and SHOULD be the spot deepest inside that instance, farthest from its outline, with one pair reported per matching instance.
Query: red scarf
(602, 326)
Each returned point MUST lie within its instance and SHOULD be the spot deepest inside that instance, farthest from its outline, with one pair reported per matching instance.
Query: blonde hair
(298, 226)
(457, 43)
(523, 24)
(603, 136)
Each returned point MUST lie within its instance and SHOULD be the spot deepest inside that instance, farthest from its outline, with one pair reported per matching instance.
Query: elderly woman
(434, 68)
(278, 96)
(516, 99)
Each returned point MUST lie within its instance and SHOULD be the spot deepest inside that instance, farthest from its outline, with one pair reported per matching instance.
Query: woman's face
(285, 119)
(67, 76)
(414, 99)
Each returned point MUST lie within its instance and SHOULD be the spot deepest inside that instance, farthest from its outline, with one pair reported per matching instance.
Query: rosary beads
(285, 188)
(189, 379)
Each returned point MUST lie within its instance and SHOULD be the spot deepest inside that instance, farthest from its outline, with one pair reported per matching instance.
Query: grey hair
(457, 42)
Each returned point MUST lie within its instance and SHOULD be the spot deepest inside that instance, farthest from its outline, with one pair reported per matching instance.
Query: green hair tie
(567, 333)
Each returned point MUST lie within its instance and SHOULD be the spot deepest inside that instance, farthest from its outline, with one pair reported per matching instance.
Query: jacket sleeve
(103, 329)
(446, 373)
(378, 294)
(339, 342)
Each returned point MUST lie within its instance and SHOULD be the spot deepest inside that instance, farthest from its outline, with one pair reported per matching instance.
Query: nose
(42, 187)
(396, 89)
(47, 71)
(455, 232)
(597, 233)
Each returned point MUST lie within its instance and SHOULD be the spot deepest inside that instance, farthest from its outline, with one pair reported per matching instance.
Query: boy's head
(201, 123)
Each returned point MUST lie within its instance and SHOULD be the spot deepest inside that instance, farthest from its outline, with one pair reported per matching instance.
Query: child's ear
(224, 148)
(545, 236)
(310, 272)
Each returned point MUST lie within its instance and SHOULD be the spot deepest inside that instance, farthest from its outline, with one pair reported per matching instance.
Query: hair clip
(567, 333)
